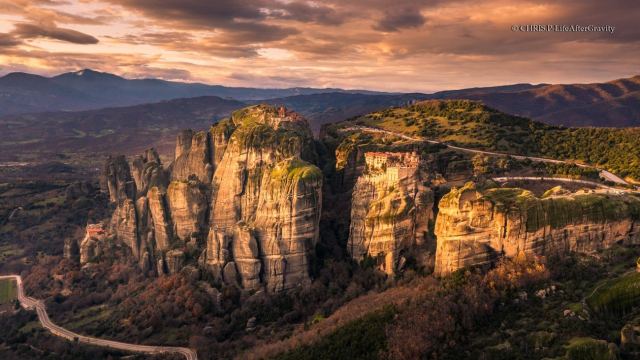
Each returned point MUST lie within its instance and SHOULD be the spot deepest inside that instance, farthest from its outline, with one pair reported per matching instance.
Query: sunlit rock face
(475, 227)
(147, 171)
(160, 221)
(390, 208)
(92, 243)
(124, 225)
(262, 183)
(244, 195)
(117, 176)
(187, 204)
(193, 152)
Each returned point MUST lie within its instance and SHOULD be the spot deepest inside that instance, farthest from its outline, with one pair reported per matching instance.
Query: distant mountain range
(612, 104)
(88, 89)
(130, 129)
(615, 103)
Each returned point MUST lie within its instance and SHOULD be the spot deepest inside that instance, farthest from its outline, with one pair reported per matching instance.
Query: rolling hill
(132, 128)
(611, 104)
(472, 124)
(326, 108)
(123, 129)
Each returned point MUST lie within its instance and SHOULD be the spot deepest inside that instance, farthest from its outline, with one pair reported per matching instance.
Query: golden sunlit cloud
(400, 46)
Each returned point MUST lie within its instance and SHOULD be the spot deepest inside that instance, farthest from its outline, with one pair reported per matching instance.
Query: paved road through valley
(31, 303)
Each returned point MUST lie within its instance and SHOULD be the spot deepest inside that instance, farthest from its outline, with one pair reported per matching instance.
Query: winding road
(606, 175)
(30, 303)
(601, 187)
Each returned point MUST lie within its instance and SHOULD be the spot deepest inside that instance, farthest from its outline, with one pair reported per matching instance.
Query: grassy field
(88, 318)
(617, 295)
(7, 291)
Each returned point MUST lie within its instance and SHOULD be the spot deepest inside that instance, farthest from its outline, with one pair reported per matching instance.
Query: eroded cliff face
(262, 183)
(192, 157)
(390, 210)
(240, 197)
(117, 175)
(475, 227)
(147, 171)
(187, 202)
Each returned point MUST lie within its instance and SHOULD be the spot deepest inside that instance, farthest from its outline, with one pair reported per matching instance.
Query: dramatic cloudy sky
(377, 44)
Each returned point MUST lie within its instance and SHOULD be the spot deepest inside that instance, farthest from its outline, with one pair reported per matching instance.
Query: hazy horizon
(258, 86)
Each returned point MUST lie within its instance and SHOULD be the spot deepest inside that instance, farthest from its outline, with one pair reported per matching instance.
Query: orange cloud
(419, 45)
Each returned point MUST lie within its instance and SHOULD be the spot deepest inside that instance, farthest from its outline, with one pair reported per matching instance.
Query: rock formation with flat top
(263, 190)
(475, 226)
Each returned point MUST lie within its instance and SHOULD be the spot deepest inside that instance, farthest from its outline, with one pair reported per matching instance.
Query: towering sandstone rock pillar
(390, 210)
(475, 227)
(263, 190)
(242, 190)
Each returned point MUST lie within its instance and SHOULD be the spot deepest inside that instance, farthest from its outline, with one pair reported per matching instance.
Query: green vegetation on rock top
(294, 170)
(224, 127)
(454, 195)
(474, 125)
(255, 131)
(506, 198)
(252, 114)
(559, 212)
(556, 212)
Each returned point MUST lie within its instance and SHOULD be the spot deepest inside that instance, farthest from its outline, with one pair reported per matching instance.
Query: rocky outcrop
(162, 229)
(92, 245)
(240, 194)
(390, 209)
(192, 157)
(262, 190)
(124, 225)
(140, 219)
(286, 222)
(147, 171)
(475, 226)
(117, 177)
(247, 256)
(220, 135)
(187, 204)
(175, 260)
